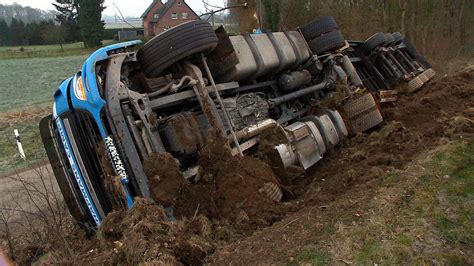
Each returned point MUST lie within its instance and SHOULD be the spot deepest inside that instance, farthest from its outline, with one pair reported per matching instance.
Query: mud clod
(237, 180)
(143, 234)
(166, 180)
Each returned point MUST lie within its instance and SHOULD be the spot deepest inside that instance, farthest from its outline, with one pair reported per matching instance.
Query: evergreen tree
(18, 32)
(33, 34)
(68, 18)
(5, 38)
(92, 27)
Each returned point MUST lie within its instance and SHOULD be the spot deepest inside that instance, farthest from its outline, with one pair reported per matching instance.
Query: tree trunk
(462, 30)
(403, 16)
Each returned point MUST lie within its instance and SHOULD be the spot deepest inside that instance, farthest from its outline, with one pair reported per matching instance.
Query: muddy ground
(226, 218)
(443, 110)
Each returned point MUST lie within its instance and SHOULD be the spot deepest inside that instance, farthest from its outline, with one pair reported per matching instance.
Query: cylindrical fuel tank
(247, 65)
(294, 80)
(265, 54)
(299, 45)
(284, 49)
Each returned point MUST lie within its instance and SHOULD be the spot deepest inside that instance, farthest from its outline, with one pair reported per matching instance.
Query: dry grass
(33, 217)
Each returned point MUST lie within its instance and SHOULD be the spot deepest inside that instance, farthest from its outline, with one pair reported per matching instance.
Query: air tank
(294, 80)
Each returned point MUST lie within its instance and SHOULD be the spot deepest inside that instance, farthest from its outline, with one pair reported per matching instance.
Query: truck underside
(192, 85)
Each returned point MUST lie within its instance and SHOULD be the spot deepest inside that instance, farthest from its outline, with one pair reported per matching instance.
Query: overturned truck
(192, 84)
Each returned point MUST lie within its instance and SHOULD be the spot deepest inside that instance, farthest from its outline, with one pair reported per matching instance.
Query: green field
(25, 85)
(53, 50)
(29, 76)
(28, 82)
(51, 47)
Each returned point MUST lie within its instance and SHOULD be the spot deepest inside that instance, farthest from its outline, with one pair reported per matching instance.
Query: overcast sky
(131, 8)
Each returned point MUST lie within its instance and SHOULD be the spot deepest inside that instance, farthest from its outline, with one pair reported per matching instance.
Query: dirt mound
(237, 181)
(166, 180)
(228, 186)
(227, 200)
(442, 109)
(415, 123)
(144, 234)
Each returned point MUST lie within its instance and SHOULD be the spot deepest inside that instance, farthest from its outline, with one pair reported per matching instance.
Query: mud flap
(69, 189)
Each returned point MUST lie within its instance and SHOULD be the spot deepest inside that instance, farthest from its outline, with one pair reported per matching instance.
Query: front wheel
(176, 44)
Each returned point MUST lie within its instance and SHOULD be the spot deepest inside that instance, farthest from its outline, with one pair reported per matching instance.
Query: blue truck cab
(74, 135)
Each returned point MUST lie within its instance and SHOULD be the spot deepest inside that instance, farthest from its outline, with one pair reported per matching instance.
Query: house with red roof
(159, 17)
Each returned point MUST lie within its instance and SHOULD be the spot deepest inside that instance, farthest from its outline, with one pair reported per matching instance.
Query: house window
(156, 16)
(179, 3)
(184, 15)
(174, 15)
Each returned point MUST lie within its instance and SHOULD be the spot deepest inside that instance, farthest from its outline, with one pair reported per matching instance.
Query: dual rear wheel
(323, 35)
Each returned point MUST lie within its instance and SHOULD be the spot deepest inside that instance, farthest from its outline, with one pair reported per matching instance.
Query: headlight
(79, 90)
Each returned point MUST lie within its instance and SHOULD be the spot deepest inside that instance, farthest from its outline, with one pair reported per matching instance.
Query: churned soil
(223, 218)
(227, 187)
(442, 110)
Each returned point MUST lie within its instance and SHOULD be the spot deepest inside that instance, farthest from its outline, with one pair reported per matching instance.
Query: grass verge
(314, 257)
(421, 215)
(26, 121)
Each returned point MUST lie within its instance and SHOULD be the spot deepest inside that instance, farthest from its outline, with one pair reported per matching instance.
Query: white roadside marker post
(20, 146)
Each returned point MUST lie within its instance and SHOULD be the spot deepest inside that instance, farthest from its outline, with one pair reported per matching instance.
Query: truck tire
(373, 42)
(366, 121)
(272, 191)
(389, 40)
(415, 84)
(430, 73)
(362, 113)
(398, 37)
(317, 27)
(327, 42)
(359, 105)
(424, 78)
(175, 45)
